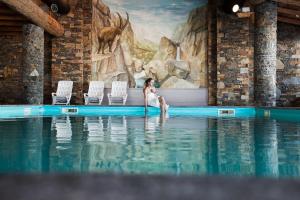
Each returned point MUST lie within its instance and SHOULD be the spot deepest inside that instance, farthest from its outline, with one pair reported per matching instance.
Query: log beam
(12, 18)
(289, 2)
(38, 2)
(256, 2)
(7, 11)
(33, 12)
(288, 11)
(10, 29)
(11, 23)
(289, 20)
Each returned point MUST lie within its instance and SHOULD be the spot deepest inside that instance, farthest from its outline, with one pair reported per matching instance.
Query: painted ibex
(107, 35)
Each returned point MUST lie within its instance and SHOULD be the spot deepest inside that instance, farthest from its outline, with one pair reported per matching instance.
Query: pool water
(176, 145)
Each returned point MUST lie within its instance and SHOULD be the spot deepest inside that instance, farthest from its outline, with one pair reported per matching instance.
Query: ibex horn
(121, 21)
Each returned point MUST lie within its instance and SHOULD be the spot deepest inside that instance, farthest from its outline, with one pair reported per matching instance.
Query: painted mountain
(162, 39)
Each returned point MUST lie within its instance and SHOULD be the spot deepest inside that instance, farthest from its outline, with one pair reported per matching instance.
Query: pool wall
(290, 114)
(49, 110)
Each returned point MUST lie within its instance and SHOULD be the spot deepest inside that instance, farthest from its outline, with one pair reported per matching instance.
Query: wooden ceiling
(15, 13)
(10, 21)
(289, 11)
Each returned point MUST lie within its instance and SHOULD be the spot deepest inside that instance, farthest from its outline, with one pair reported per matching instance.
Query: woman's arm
(153, 90)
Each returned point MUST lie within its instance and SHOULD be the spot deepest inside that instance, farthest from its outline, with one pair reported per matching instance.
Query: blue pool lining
(50, 110)
(20, 111)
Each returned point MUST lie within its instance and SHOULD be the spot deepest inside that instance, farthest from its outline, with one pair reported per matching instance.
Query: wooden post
(33, 12)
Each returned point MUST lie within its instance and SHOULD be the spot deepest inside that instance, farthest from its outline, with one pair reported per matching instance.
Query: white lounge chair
(63, 94)
(118, 93)
(95, 93)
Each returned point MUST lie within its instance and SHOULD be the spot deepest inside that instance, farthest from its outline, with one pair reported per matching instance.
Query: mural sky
(153, 19)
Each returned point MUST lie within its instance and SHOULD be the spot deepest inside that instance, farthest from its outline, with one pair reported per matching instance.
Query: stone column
(33, 64)
(265, 47)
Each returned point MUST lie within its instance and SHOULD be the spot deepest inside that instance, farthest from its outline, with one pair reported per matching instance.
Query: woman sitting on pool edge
(151, 98)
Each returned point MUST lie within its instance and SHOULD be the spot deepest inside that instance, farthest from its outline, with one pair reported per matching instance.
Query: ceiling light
(235, 8)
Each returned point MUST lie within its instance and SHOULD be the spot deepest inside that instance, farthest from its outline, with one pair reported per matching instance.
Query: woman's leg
(163, 105)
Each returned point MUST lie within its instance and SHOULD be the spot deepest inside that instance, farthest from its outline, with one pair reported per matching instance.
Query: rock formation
(135, 59)
(192, 37)
(117, 65)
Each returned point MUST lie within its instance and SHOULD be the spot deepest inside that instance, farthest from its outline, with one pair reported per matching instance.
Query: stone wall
(265, 42)
(33, 64)
(288, 65)
(212, 52)
(234, 60)
(47, 69)
(67, 53)
(70, 53)
(11, 87)
(87, 43)
(230, 64)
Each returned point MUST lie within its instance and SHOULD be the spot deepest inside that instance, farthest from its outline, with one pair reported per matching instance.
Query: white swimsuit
(153, 100)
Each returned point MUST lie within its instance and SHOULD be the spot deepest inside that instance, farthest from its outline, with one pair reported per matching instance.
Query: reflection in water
(118, 129)
(235, 147)
(95, 129)
(288, 148)
(152, 125)
(62, 128)
(151, 145)
(266, 151)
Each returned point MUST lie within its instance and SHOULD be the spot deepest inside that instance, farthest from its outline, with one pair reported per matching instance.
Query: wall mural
(162, 39)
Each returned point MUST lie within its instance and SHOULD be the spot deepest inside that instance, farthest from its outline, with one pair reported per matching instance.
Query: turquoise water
(138, 144)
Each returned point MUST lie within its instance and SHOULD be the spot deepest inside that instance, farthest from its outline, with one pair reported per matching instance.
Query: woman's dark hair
(147, 81)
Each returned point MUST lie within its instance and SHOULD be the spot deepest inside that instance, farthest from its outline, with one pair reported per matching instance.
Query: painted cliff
(125, 48)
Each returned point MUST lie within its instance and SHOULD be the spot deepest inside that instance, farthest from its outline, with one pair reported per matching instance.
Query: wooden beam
(12, 18)
(288, 20)
(33, 12)
(255, 2)
(6, 10)
(38, 2)
(11, 23)
(289, 11)
(289, 2)
(14, 33)
(10, 29)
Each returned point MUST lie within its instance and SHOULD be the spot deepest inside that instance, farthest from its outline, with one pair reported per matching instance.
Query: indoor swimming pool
(231, 141)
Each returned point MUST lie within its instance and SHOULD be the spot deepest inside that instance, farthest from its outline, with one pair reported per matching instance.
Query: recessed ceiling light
(297, 16)
(235, 8)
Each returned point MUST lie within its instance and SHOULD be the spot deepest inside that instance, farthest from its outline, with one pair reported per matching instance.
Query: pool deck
(113, 187)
